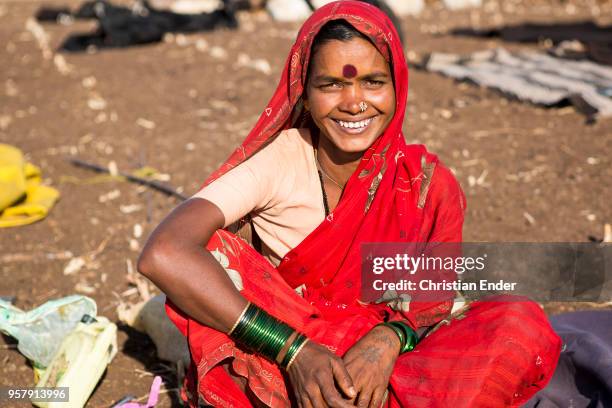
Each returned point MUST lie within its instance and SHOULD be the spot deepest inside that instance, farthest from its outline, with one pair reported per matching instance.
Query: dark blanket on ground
(583, 377)
(123, 27)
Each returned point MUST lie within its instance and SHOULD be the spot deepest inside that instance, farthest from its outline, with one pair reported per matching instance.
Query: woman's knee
(511, 305)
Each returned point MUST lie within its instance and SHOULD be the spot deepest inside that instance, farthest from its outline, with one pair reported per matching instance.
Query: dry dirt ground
(181, 106)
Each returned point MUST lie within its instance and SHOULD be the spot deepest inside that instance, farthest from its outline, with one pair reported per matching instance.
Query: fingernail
(352, 391)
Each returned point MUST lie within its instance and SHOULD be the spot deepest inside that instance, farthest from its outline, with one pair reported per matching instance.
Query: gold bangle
(239, 318)
(296, 354)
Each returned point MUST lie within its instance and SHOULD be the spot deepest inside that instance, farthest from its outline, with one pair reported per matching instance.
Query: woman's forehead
(355, 57)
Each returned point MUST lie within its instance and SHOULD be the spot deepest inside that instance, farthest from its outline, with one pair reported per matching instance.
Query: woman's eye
(374, 84)
(332, 85)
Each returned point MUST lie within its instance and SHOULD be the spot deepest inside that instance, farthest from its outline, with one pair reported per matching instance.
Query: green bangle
(407, 336)
(297, 351)
(411, 338)
(293, 349)
(264, 334)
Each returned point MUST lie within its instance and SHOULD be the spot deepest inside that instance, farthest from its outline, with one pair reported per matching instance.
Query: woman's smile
(354, 127)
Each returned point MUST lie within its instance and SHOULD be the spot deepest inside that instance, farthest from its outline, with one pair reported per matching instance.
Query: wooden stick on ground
(134, 179)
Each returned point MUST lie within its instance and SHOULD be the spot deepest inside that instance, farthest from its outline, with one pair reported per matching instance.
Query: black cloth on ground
(123, 27)
(583, 378)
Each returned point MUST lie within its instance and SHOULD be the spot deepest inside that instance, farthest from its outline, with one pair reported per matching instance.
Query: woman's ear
(306, 105)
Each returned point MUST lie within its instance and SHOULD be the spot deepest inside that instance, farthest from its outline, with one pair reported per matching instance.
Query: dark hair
(340, 30)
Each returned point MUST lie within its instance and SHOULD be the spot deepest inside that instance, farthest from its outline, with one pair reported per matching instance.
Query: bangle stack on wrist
(407, 336)
(266, 335)
(297, 346)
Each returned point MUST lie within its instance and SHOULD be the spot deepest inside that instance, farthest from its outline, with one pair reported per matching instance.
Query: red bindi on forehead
(349, 71)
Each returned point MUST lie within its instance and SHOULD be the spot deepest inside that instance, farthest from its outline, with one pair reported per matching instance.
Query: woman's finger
(343, 378)
(377, 398)
(296, 392)
(315, 397)
(331, 395)
(304, 397)
(365, 396)
(385, 397)
(306, 402)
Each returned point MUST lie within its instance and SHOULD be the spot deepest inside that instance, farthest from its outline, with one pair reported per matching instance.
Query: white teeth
(355, 125)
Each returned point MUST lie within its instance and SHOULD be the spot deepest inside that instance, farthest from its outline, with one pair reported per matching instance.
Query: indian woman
(262, 267)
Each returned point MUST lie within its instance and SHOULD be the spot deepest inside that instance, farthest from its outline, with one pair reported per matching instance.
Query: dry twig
(130, 177)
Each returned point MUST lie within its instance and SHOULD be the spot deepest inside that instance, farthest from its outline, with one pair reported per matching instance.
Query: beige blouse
(279, 187)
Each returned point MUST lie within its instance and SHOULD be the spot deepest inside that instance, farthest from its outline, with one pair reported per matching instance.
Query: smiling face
(335, 99)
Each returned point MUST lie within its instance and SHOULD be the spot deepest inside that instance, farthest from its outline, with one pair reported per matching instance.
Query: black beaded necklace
(315, 146)
(322, 173)
(325, 203)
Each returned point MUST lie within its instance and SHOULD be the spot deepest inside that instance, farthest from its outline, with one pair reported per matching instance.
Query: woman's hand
(314, 375)
(370, 363)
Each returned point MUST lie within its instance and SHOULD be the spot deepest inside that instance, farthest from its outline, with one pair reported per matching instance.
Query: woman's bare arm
(176, 260)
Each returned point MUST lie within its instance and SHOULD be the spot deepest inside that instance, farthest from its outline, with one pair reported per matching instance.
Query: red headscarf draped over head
(383, 201)
(285, 107)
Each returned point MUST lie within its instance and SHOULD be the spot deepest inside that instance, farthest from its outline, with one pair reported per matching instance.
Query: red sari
(493, 354)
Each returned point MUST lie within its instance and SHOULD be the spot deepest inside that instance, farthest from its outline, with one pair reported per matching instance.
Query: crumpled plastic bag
(41, 331)
(80, 361)
(23, 199)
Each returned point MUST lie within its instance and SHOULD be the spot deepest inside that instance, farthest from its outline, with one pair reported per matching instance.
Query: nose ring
(363, 106)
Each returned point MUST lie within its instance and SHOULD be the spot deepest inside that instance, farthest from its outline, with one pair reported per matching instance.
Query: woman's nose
(351, 99)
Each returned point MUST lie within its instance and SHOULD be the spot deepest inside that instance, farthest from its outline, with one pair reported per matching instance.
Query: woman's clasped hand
(320, 378)
(314, 376)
